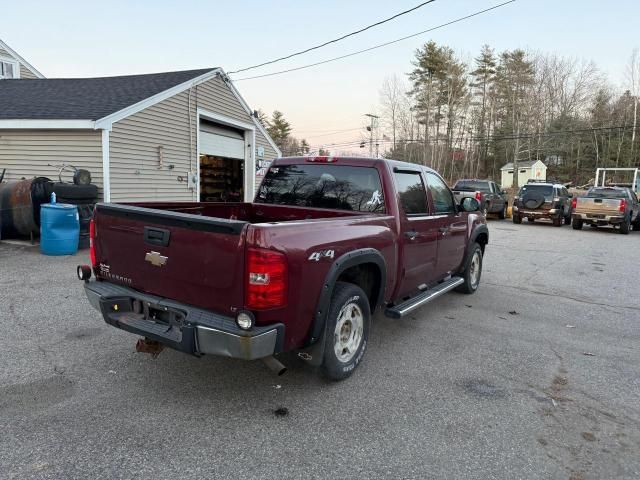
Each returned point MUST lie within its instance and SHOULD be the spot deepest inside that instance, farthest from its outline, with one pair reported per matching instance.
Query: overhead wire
(335, 40)
(358, 52)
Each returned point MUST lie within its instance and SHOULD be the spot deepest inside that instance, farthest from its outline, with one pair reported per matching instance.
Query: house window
(9, 69)
(523, 171)
(510, 171)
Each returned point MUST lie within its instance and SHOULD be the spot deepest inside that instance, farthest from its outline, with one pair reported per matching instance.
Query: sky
(327, 103)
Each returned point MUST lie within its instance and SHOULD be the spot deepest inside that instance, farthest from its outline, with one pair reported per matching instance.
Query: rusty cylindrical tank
(17, 209)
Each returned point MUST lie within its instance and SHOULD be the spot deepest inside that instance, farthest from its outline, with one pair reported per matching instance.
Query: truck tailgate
(598, 206)
(188, 258)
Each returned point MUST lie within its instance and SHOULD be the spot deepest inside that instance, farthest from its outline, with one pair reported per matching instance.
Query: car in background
(543, 200)
(607, 206)
(492, 198)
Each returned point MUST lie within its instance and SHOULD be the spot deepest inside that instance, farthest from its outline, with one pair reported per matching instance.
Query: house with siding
(13, 66)
(175, 136)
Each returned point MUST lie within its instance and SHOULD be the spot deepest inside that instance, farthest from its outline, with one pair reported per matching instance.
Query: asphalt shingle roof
(521, 164)
(82, 98)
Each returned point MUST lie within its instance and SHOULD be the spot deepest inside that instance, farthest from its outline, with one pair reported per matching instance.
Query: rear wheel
(346, 331)
(516, 218)
(531, 219)
(576, 224)
(472, 270)
(567, 220)
(503, 213)
(557, 221)
(625, 227)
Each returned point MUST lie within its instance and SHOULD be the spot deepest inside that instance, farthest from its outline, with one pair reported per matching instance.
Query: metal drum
(16, 209)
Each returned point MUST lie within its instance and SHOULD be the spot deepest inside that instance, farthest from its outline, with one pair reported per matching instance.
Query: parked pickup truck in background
(492, 198)
(326, 241)
(615, 206)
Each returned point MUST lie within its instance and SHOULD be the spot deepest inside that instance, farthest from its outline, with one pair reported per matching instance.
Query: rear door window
(413, 195)
(338, 187)
(472, 186)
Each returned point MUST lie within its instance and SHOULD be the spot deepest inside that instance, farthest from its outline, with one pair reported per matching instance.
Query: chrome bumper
(198, 331)
(602, 219)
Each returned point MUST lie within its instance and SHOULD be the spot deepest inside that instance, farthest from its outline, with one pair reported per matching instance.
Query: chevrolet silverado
(302, 268)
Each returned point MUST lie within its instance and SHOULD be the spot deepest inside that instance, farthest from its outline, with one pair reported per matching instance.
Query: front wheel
(577, 224)
(472, 270)
(557, 221)
(517, 219)
(346, 331)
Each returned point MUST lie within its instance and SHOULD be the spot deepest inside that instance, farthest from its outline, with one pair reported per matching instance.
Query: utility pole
(374, 124)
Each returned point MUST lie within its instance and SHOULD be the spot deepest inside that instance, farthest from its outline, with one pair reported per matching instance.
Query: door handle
(412, 235)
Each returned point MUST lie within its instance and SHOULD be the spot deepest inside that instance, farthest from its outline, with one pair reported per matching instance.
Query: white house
(531, 169)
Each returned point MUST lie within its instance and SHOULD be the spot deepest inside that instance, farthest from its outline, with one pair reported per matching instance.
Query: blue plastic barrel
(59, 229)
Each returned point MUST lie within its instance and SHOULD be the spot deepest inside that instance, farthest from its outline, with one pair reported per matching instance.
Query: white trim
(51, 124)
(107, 121)
(20, 60)
(257, 123)
(223, 119)
(197, 171)
(106, 167)
(250, 192)
(16, 67)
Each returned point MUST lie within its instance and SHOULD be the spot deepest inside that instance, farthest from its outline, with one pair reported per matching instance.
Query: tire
(625, 227)
(472, 270)
(69, 191)
(503, 213)
(517, 219)
(557, 221)
(346, 331)
(577, 224)
(531, 219)
(567, 220)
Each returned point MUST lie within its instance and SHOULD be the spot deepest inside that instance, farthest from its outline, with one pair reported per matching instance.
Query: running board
(423, 298)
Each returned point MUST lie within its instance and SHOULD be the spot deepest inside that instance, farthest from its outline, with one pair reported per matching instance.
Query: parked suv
(492, 198)
(548, 200)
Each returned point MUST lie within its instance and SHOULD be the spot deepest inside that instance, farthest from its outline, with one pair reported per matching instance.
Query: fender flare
(342, 263)
(482, 228)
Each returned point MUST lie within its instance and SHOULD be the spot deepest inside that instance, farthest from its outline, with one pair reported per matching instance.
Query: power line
(480, 12)
(522, 136)
(335, 39)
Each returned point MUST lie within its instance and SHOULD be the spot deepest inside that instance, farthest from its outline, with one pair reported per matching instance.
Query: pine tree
(279, 129)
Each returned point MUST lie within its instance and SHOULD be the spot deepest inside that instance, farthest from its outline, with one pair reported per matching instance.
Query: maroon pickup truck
(302, 268)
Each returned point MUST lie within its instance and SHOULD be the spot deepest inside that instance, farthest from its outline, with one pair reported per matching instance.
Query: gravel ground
(534, 376)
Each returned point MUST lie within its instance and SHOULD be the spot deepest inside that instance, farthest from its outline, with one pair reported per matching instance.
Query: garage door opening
(222, 163)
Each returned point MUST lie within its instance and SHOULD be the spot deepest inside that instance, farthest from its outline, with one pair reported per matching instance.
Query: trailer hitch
(144, 345)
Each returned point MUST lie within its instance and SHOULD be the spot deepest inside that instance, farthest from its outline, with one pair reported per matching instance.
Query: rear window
(546, 190)
(335, 187)
(472, 186)
(607, 193)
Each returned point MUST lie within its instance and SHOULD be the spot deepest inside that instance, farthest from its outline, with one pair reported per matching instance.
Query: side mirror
(470, 204)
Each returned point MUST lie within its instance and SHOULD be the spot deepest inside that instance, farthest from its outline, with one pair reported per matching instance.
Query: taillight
(92, 242)
(574, 203)
(322, 159)
(266, 279)
(479, 196)
(623, 205)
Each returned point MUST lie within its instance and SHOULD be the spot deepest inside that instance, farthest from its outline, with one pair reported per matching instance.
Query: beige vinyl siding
(134, 153)
(134, 143)
(26, 153)
(24, 71)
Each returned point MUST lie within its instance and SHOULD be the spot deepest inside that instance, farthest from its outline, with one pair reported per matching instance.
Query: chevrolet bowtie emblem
(154, 258)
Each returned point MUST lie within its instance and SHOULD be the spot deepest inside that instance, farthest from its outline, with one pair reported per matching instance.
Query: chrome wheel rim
(347, 335)
(474, 269)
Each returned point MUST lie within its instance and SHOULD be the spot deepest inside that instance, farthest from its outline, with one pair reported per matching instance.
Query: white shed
(531, 169)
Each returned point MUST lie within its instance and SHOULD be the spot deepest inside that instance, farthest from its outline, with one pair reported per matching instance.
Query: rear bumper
(523, 212)
(598, 219)
(185, 328)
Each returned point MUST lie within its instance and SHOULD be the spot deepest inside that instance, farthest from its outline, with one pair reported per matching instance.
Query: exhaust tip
(274, 365)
